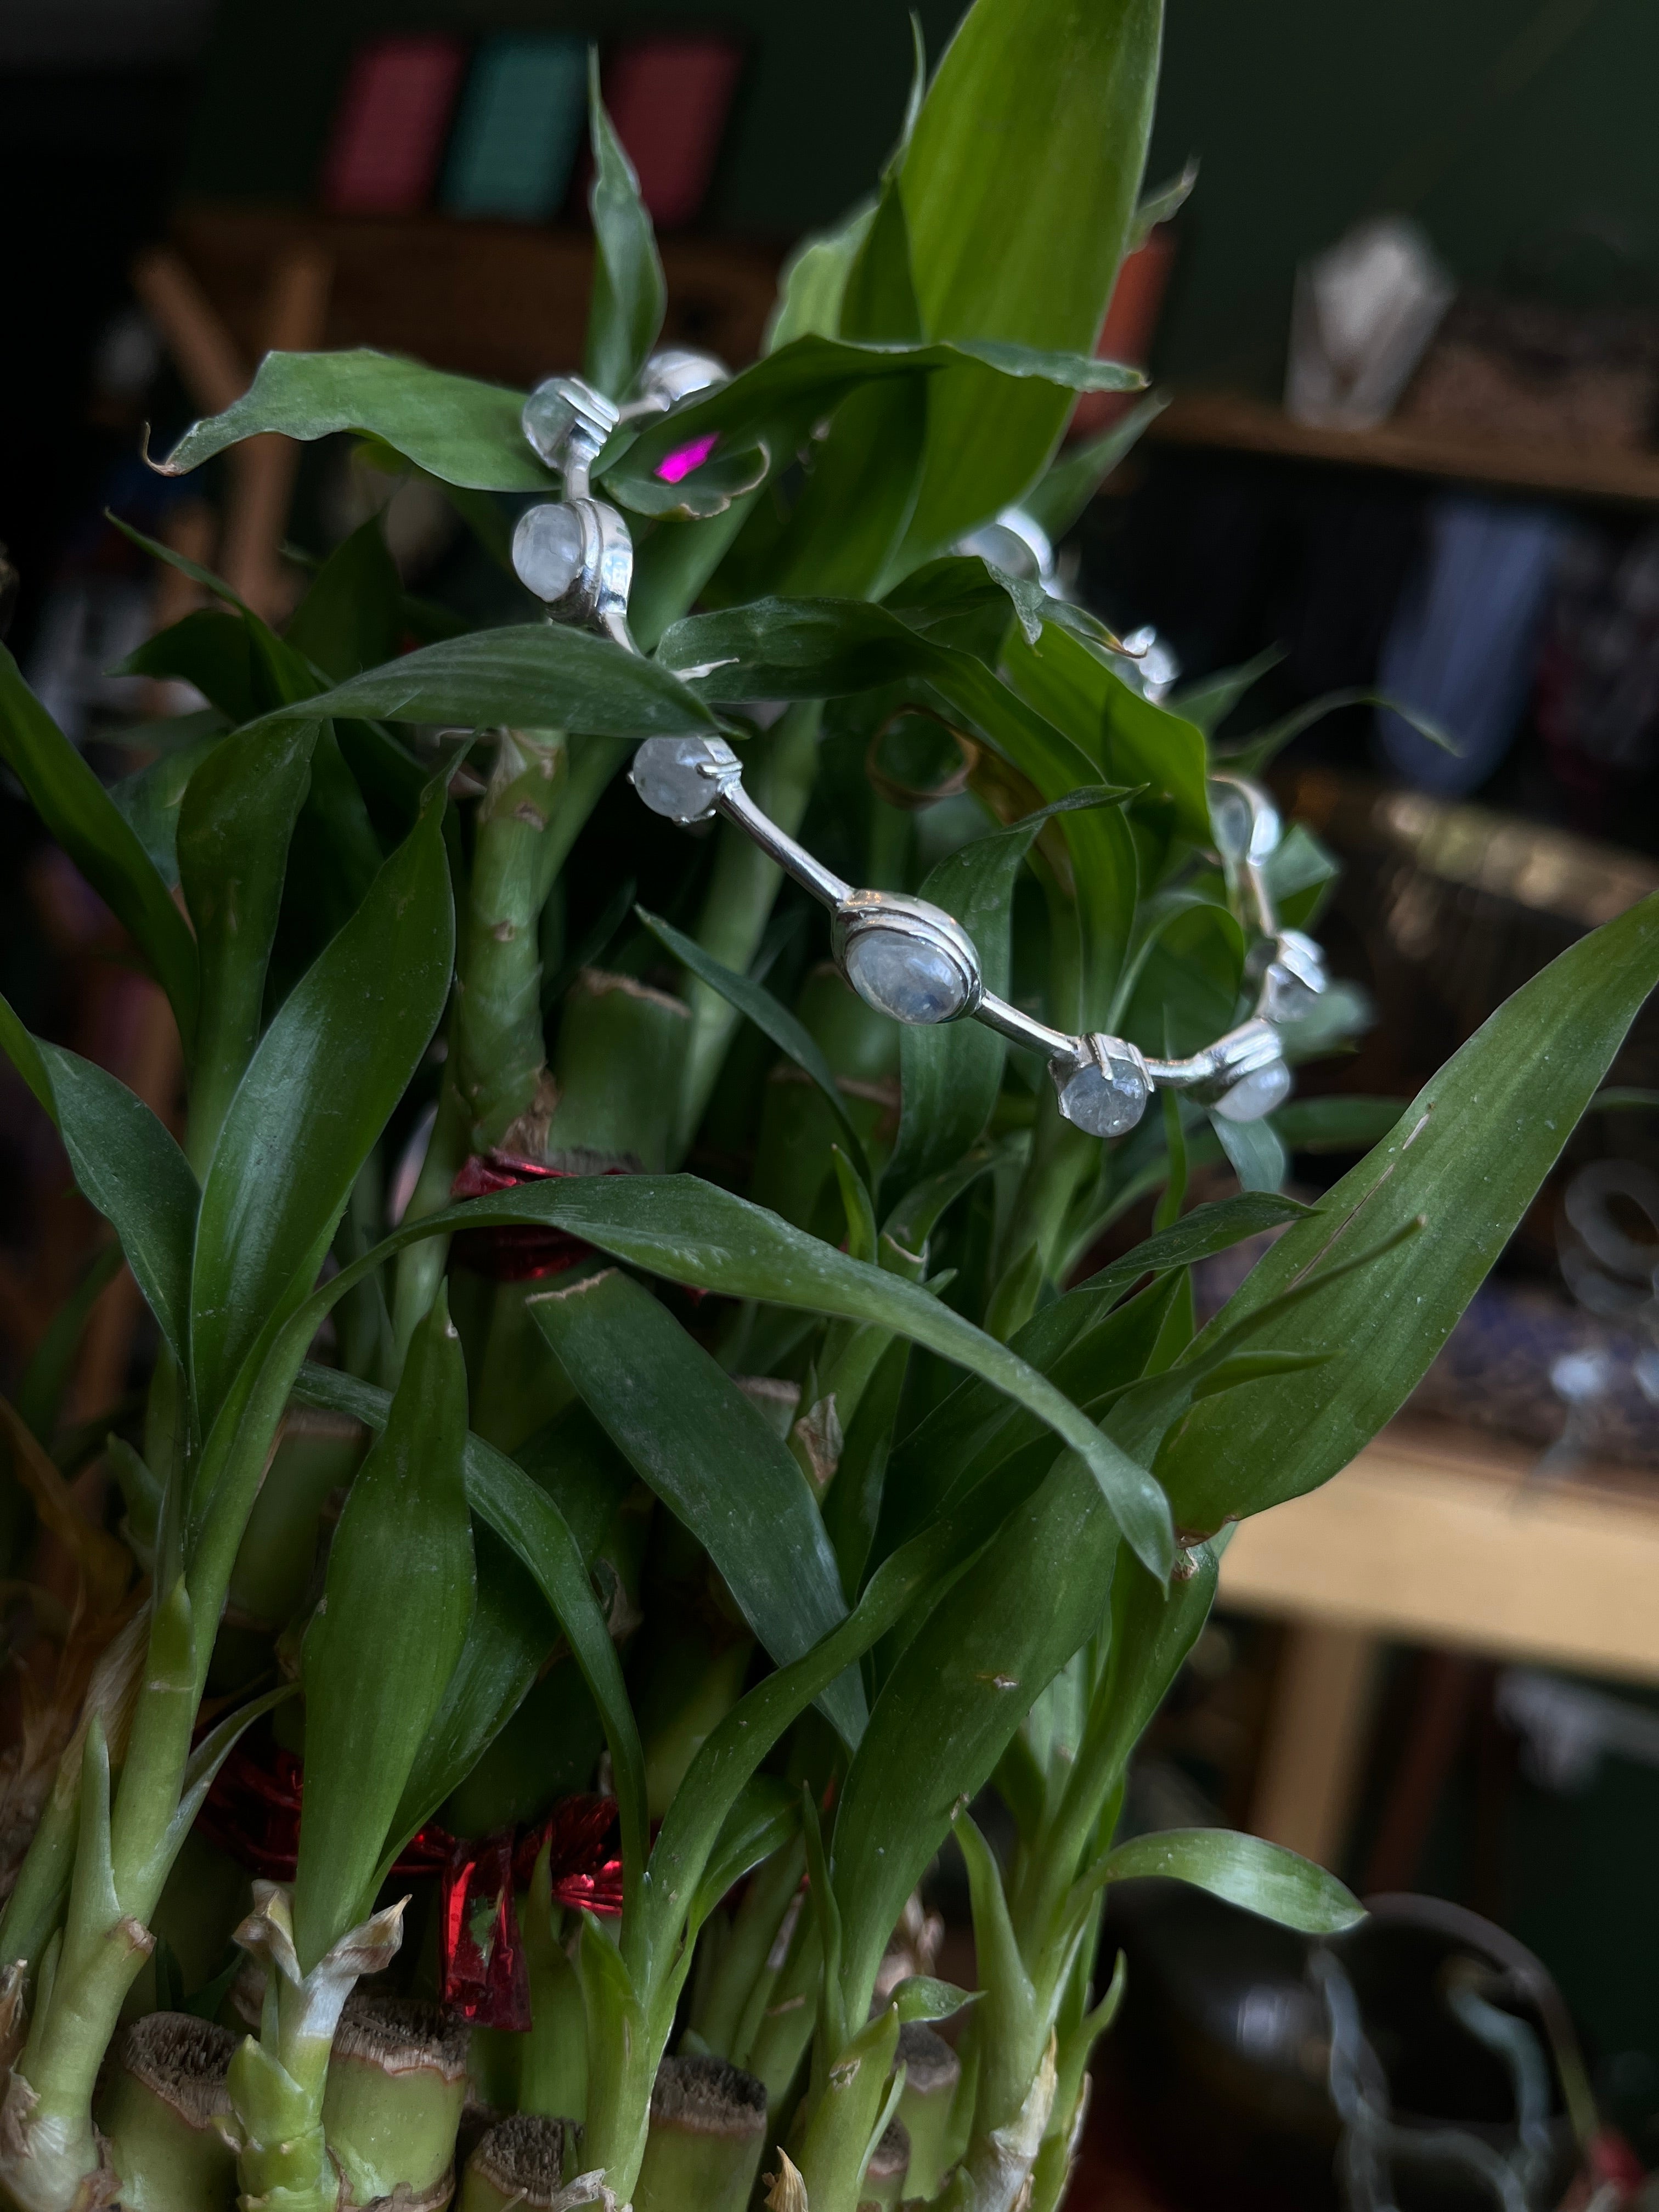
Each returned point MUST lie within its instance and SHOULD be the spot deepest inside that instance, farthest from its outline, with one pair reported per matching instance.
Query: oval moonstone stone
(903, 976)
(547, 550)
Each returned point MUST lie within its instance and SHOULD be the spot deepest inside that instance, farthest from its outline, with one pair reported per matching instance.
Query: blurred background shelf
(1232, 422)
(498, 299)
(1434, 1536)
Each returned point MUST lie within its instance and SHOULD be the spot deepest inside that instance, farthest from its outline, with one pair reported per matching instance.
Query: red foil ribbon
(252, 1814)
(485, 1978)
(518, 1255)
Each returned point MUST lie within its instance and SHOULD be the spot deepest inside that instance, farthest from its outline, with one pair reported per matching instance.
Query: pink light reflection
(675, 467)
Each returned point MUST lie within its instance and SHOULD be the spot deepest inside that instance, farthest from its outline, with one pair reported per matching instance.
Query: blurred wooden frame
(215, 373)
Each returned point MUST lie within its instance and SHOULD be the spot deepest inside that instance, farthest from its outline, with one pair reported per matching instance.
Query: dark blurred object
(8, 583)
(1597, 704)
(389, 129)
(669, 97)
(1130, 326)
(520, 125)
(1222, 2054)
(1528, 369)
(1463, 642)
(1444, 909)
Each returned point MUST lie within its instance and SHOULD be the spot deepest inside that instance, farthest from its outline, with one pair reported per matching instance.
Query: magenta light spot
(675, 467)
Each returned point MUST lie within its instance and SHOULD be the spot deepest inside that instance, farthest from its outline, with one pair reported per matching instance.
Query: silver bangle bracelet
(904, 957)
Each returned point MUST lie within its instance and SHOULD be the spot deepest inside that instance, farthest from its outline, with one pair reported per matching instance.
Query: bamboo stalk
(708, 2129)
(163, 2105)
(391, 2107)
(518, 2166)
(932, 2076)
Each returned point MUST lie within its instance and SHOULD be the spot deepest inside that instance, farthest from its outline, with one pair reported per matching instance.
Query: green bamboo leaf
(1211, 699)
(1260, 1876)
(92, 830)
(454, 428)
(353, 615)
(529, 1522)
(813, 281)
(1343, 1122)
(1252, 1150)
(509, 1639)
(693, 1233)
(1027, 245)
(766, 1816)
(734, 1750)
(1152, 1631)
(540, 676)
(1162, 205)
(1469, 1153)
(920, 1997)
(625, 311)
(799, 383)
(1258, 752)
(1136, 740)
(380, 1653)
(234, 827)
(1062, 495)
(41, 1387)
(211, 649)
(151, 797)
(695, 1440)
(773, 1019)
(125, 1163)
(950, 1708)
(317, 1094)
(974, 1428)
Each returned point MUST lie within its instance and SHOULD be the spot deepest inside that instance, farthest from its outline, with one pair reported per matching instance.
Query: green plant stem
(553, 2059)
(497, 1030)
(742, 891)
(742, 1973)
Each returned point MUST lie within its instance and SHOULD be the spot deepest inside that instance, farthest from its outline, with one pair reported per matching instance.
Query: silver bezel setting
(671, 376)
(598, 594)
(890, 914)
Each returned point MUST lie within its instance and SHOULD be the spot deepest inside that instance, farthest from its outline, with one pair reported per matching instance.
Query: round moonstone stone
(547, 417)
(1105, 1100)
(547, 550)
(905, 976)
(667, 774)
(1255, 1094)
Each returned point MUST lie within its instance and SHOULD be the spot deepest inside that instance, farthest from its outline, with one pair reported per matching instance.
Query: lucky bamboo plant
(635, 1447)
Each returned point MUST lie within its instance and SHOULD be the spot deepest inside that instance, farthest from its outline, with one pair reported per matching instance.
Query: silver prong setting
(1103, 1084)
(683, 778)
(567, 422)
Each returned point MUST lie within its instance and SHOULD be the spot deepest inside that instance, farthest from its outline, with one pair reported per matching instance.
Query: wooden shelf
(1230, 422)
(493, 300)
(1434, 1536)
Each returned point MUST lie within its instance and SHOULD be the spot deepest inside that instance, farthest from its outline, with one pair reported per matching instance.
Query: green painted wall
(1498, 121)
(819, 101)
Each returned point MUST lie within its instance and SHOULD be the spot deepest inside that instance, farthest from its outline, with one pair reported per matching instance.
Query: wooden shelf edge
(1454, 1546)
(1230, 421)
